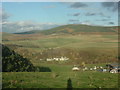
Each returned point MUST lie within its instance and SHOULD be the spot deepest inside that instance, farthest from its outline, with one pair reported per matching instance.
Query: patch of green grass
(58, 78)
(88, 47)
(76, 41)
(81, 79)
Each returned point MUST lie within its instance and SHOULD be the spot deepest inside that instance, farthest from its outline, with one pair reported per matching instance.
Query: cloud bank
(23, 26)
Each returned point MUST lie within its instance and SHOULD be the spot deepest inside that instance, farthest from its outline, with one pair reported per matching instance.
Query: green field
(103, 47)
(92, 49)
(87, 79)
(58, 78)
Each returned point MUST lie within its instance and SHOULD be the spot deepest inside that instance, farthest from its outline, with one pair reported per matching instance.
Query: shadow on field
(43, 69)
(69, 84)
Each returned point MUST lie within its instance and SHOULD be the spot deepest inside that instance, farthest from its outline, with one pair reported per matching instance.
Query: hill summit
(74, 29)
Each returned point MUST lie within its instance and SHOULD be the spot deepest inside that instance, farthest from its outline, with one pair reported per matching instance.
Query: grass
(59, 79)
(82, 41)
(101, 48)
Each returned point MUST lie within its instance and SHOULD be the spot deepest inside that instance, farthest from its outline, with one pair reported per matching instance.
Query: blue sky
(26, 16)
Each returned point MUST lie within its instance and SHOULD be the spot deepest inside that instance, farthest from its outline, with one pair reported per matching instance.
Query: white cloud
(22, 26)
(87, 22)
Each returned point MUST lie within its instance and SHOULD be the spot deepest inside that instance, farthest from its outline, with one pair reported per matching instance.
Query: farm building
(57, 59)
(75, 68)
(114, 67)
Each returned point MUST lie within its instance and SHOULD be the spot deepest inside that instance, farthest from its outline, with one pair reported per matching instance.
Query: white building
(114, 71)
(57, 59)
(75, 69)
(49, 59)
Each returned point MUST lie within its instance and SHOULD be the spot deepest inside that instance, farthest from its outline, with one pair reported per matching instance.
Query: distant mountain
(74, 29)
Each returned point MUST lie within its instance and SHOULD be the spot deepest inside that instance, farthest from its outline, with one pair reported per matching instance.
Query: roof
(115, 65)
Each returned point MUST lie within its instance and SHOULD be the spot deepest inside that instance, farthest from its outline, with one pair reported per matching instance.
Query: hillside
(77, 43)
(74, 29)
(6, 36)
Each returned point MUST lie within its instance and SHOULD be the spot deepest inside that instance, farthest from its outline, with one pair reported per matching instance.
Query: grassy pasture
(80, 79)
(77, 41)
(90, 47)
(58, 78)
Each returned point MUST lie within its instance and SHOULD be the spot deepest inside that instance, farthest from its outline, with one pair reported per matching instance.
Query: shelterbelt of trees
(13, 62)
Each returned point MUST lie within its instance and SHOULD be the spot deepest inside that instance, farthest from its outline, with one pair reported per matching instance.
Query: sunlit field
(94, 50)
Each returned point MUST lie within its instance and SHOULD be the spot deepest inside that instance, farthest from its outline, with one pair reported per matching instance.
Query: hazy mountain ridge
(74, 29)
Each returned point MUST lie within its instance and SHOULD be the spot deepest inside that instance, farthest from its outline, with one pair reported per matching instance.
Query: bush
(43, 69)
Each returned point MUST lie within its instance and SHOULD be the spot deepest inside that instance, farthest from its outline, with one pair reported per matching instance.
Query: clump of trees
(13, 62)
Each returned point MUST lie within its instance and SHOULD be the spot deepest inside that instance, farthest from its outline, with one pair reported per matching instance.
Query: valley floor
(60, 77)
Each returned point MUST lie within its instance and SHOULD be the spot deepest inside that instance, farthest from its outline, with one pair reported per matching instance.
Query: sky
(27, 16)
